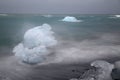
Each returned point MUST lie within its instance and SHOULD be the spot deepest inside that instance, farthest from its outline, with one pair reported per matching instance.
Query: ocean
(13, 27)
(81, 40)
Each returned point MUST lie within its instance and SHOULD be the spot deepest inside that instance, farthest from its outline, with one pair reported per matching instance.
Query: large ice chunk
(100, 70)
(33, 48)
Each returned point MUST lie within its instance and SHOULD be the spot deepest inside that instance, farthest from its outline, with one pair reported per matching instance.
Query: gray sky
(60, 6)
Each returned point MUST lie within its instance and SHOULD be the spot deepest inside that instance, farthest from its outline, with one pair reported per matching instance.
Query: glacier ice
(70, 19)
(105, 69)
(117, 64)
(101, 70)
(116, 71)
(118, 16)
(33, 48)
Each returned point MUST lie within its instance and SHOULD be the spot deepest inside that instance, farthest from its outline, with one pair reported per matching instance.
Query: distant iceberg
(118, 16)
(48, 16)
(70, 19)
(114, 16)
(3, 14)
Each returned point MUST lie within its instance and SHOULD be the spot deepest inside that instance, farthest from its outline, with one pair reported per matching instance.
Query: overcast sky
(60, 6)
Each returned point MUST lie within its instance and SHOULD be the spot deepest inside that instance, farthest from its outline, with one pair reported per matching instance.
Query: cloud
(70, 19)
(60, 6)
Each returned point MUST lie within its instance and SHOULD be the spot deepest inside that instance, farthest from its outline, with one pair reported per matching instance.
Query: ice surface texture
(70, 19)
(101, 70)
(33, 48)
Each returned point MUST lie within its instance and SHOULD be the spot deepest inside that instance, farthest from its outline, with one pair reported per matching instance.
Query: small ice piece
(70, 19)
(118, 16)
(48, 16)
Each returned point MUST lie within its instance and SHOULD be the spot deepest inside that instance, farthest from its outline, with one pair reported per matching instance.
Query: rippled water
(96, 34)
